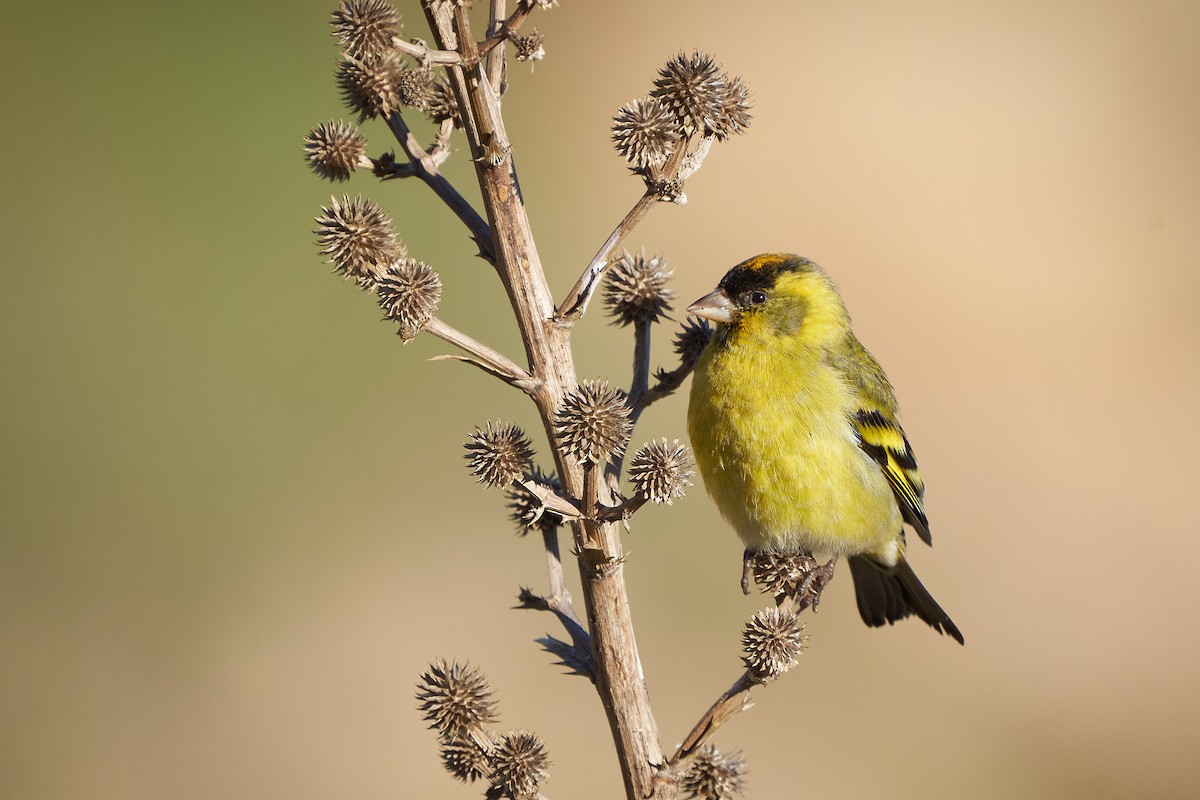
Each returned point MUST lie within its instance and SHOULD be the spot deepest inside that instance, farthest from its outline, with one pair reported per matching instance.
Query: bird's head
(776, 294)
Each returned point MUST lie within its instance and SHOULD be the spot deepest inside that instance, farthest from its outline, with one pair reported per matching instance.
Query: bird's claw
(747, 569)
(810, 587)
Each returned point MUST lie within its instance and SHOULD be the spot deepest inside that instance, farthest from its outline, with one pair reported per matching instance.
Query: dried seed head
(409, 292)
(334, 150)
(519, 765)
(715, 777)
(661, 470)
(442, 104)
(529, 48)
(734, 117)
(370, 85)
(777, 573)
(356, 237)
(773, 640)
(365, 27)
(455, 699)
(645, 132)
(780, 573)
(691, 340)
(693, 89)
(499, 453)
(593, 421)
(414, 87)
(526, 510)
(635, 289)
(464, 757)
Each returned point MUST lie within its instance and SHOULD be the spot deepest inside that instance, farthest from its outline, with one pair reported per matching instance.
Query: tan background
(235, 520)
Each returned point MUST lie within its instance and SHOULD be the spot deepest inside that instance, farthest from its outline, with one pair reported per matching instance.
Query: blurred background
(235, 524)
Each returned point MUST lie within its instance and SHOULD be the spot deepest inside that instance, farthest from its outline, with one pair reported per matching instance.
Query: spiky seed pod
(409, 292)
(773, 641)
(661, 471)
(635, 289)
(519, 765)
(645, 132)
(365, 27)
(691, 340)
(414, 87)
(692, 87)
(455, 699)
(499, 453)
(334, 149)
(442, 104)
(370, 85)
(715, 777)
(780, 573)
(464, 757)
(529, 48)
(356, 237)
(593, 421)
(734, 116)
(526, 510)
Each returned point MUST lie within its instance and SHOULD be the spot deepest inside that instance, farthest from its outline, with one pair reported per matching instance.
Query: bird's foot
(813, 583)
(747, 569)
(797, 576)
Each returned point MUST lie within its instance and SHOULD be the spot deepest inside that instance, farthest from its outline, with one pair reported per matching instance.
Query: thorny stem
(576, 302)
(618, 673)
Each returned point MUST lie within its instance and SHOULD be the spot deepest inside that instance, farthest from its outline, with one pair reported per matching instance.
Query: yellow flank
(772, 420)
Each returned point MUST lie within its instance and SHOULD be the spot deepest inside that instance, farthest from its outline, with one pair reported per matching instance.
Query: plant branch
(576, 302)
(666, 385)
(735, 700)
(551, 501)
(482, 356)
(621, 511)
(554, 573)
(495, 55)
(504, 30)
(419, 51)
(578, 654)
(618, 672)
(641, 365)
(425, 167)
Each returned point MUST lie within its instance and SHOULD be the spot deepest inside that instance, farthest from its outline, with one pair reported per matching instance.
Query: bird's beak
(715, 306)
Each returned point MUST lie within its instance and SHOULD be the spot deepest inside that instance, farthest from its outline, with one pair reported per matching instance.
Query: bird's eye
(758, 298)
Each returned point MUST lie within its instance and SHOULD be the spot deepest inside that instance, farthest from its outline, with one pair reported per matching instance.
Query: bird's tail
(886, 594)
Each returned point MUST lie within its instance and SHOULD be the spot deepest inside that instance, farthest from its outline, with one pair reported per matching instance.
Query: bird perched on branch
(795, 431)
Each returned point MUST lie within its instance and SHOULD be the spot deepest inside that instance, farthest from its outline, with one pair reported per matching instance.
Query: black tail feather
(887, 594)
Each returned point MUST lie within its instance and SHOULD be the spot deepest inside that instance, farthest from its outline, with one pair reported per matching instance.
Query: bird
(795, 431)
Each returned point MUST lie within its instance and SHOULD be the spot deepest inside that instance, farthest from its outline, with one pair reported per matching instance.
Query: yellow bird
(795, 431)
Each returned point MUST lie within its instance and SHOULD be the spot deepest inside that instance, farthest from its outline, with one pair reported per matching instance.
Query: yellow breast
(778, 454)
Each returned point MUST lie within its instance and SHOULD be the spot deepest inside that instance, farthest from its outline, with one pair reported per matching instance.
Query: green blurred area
(234, 519)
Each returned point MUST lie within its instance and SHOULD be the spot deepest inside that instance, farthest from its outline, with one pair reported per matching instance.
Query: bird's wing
(880, 435)
(883, 440)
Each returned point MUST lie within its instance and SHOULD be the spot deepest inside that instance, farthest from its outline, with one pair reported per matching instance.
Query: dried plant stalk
(459, 82)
